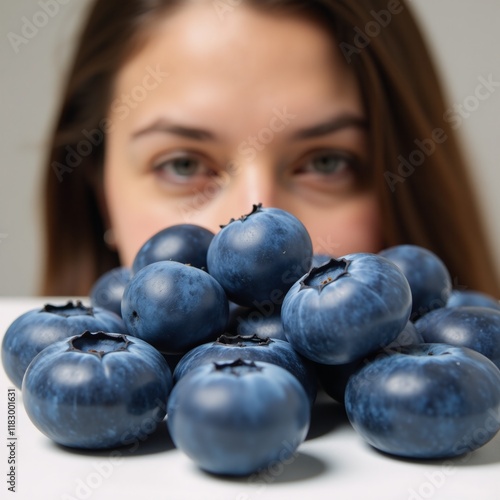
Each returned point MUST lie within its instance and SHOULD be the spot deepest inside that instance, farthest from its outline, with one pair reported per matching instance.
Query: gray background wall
(464, 35)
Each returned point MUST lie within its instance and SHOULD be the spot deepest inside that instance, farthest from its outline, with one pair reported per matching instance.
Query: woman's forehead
(250, 60)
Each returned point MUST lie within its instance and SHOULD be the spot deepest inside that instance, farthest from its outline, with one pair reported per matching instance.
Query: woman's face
(217, 113)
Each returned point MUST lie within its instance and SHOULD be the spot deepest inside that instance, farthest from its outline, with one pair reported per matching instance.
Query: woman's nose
(248, 184)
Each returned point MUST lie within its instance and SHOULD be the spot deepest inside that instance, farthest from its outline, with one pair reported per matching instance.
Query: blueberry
(334, 378)
(475, 327)
(472, 298)
(97, 390)
(320, 258)
(253, 348)
(429, 279)
(107, 291)
(253, 321)
(38, 328)
(259, 256)
(174, 307)
(184, 243)
(237, 418)
(427, 401)
(408, 336)
(346, 308)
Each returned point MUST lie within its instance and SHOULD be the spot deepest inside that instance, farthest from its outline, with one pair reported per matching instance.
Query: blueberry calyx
(243, 218)
(329, 272)
(98, 343)
(242, 340)
(237, 367)
(69, 309)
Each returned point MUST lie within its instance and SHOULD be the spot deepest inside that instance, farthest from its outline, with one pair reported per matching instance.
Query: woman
(181, 112)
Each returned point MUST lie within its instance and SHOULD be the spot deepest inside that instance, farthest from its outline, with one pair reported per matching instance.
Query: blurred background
(464, 36)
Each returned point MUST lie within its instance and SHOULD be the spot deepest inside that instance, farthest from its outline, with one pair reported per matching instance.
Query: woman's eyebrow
(165, 127)
(330, 126)
(324, 128)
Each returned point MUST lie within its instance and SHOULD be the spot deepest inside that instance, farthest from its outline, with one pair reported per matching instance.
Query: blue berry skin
(346, 309)
(252, 321)
(174, 307)
(427, 401)
(238, 418)
(107, 291)
(333, 378)
(36, 329)
(409, 336)
(252, 348)
(320, 258)
(97, 390)
(460, 298)
(184, 243)
(477, 328)
(259, 256)
(429, 279)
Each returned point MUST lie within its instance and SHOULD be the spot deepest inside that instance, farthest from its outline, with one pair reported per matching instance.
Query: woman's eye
(332, 171)
(182, 168)
(326, 164)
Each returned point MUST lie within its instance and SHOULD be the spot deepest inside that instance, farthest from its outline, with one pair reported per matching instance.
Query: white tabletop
(332, 463)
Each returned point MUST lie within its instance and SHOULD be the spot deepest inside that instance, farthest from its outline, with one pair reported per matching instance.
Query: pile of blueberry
(230, 335)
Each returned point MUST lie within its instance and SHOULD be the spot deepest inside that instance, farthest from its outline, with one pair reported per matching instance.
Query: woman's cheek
(353, 227)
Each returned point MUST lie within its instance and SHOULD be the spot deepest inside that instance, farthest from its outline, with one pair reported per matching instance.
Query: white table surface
(333, 462)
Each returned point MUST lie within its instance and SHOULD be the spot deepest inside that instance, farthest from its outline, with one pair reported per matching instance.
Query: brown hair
(420, 177)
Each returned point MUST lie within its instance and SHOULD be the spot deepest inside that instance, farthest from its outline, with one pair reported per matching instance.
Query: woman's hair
(419, 173)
